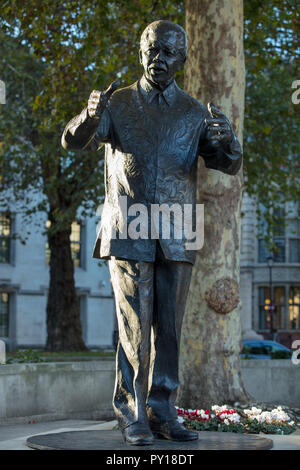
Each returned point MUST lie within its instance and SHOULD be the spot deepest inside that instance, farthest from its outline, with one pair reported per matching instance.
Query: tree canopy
(271, 132)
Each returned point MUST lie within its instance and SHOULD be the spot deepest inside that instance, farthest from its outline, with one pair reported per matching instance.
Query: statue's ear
(140, 56)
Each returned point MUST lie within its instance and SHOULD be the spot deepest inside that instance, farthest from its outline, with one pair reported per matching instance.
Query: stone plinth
(112, 440)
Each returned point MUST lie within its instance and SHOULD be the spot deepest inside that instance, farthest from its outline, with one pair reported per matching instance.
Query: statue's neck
(160, 86)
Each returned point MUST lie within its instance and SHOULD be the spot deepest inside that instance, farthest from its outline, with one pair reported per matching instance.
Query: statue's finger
(93, 100)
(216, 121)
(112, 87)
(95, 93)
(214, 111)
(219, 127)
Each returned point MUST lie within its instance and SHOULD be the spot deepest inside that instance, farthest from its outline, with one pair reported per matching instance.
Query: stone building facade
(282, 279)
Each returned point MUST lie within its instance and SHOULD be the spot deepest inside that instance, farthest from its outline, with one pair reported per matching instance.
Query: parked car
(264, 349)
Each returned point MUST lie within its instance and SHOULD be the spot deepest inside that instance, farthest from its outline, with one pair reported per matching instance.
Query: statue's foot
(138, 434)
(173, 431)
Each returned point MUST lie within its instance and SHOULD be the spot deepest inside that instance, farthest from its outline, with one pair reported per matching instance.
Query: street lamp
(270, 261)
(2, 101)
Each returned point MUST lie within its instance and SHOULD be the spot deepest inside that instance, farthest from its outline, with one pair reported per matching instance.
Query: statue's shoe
(173, 431)
(138, 434)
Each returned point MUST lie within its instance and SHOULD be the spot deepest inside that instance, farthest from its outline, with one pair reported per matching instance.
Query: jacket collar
(149, 91)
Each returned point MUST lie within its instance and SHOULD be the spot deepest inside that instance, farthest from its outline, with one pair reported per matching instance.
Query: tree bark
(211, 334)
(63, 314)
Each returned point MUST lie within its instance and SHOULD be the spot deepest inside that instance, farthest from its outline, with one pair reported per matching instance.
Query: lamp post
(270, 261)
(2, 101)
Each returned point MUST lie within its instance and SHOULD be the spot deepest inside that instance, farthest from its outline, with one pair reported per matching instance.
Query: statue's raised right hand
(99, 99)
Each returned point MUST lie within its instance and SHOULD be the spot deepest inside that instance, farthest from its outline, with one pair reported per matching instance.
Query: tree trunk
(211, 335)
(63, 313)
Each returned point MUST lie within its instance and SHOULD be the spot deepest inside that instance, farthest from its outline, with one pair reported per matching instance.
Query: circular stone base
(113, 440)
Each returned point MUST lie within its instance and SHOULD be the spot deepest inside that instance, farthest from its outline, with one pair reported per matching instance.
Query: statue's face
(161, 56)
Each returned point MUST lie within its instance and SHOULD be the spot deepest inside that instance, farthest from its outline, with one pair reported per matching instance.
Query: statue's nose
(158, 56)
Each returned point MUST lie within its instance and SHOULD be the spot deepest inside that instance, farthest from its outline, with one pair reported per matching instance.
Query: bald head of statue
(162, 51)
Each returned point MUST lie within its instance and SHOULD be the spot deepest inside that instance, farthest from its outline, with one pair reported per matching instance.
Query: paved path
(13, 437)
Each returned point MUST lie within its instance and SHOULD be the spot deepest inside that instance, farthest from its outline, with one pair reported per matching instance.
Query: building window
(294, 306)
(5, 235)
(286, 237)
(278, 255)
(293, 230)
(76, 243)
(286, 311)
(279, 308)
(278, 236)
(4, 314)
(76, 240)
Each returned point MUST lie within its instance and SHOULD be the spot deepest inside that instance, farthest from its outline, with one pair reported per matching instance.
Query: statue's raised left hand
(218, 130)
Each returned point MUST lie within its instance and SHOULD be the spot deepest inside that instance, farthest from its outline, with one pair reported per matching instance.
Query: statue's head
(162, 51)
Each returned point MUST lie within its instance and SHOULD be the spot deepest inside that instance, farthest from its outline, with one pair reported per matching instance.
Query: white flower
(218, 408)
(180, 419)
(234, 418)
(255, 411)
(206, 417)
(226, 422)
(277, 414)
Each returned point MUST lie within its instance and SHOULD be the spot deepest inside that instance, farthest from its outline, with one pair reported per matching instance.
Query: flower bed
(225, 419)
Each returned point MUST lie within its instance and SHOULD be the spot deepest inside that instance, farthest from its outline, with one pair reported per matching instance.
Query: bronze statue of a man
(153, 134)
